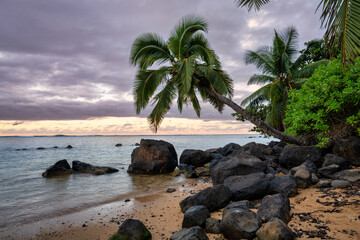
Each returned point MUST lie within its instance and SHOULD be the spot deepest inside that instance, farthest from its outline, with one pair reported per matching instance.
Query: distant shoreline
(125, 135)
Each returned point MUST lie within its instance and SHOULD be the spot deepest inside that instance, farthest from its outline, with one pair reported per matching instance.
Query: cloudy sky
(64, 64)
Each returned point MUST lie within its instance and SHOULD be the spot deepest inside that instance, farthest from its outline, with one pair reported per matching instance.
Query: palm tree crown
(180, 67)
(280, 71)
(341, 20)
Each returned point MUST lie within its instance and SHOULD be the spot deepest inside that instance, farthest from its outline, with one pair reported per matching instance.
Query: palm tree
(340, 18)
(280, 71)
(182, 68)
(186, 65)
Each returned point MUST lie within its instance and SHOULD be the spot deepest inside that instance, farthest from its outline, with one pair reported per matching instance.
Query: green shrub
(328, 99)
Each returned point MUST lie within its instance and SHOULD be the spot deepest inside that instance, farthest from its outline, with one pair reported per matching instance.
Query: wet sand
(316, 214)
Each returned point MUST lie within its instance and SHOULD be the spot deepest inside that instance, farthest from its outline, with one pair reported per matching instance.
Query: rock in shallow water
(60, 168)
(153, 157)
(82, 167)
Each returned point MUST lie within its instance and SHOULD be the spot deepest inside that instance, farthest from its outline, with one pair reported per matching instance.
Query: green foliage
(280, 72)
(315, 51)
(330, 98)
(186, 67)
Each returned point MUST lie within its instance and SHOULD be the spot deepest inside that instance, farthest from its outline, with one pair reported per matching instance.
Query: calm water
(25, 196)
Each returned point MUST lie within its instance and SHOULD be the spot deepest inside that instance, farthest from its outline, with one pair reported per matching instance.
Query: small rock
(194, 233)
(323, 183)
(170, 190)
(340, 184)
(69, 147)
(132, 229)
(118, 145)
(275, 229)
(40, 148)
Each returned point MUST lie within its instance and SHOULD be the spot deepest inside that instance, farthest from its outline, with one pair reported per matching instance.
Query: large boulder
(213, 198)
(293, 155)
(329, 171)
(213, 225)
(348, 149)
(195, 216)
(242, 164)
(351, 175)
(240, 224)
(285, 184)
(230, 149)
(82, 167)
(132, 229)
(248, 187)
(330, 159)
(194, 233)
(303, 178)
(244, 204)
(153, 157)
(254, 149)
(195, 158)
(60, 168)
(275, 229)
(275, 206)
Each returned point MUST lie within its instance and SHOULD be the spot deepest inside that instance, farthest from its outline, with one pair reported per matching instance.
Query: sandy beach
(317, 214)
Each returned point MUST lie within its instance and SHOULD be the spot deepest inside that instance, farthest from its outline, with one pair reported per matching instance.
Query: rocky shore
(267, 175)
(255, 191)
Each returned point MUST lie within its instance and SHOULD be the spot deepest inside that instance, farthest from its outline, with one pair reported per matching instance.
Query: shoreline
(104, 218)
(161, 214)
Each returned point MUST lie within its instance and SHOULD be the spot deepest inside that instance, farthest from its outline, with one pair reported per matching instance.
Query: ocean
(26, 197)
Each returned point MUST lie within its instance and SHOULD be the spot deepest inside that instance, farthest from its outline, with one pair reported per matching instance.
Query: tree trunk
(302, 141)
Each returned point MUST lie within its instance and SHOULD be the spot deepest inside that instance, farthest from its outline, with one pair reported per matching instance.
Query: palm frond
(257, 97)
(290, 37)
(309, 69)
(342, 18)
(147, 49)
(218, 79)
(145, 84)
(187, 26)
(256, 4)
(198, 45)
(187, 70)
(162, 102)
(261, 58)
(260, 79)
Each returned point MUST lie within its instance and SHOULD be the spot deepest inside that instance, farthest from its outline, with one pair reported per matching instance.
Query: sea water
(25, 196)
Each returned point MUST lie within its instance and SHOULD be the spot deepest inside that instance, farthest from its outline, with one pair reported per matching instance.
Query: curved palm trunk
(302, 141)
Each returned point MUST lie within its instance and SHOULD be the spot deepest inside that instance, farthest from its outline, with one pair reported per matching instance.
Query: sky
(64, 65)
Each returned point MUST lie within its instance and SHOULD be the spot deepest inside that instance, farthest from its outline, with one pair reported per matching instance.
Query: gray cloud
(69, 59)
